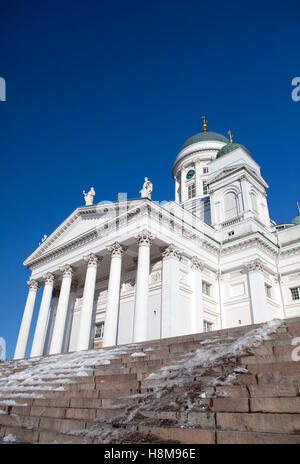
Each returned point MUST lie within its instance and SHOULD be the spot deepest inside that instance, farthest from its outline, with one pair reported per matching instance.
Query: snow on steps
(229, 386)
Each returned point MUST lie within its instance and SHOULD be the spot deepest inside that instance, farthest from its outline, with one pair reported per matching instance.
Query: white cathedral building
(134, 270)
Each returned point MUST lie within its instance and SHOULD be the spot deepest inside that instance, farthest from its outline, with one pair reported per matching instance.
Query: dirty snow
(11, 403)
(35, 375)
(177, 387)
(10, 438)
(138, 354)
(180, 386)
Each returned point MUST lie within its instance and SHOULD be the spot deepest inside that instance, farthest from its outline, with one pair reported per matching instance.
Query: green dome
(204, 137)
(296, 220)
(230, 147)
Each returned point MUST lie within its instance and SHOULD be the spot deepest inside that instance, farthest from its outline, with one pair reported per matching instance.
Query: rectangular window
(205, 188)
(205, 170)
(207, 326)
(99, 330)
(206, 288)
(268, 290)
(295, 292)
(191, 191)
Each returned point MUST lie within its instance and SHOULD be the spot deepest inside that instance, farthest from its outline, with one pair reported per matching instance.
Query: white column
(245, 188)
(197, 303)
(219, 280)
(182, 185)
(176, 189)
(62, 311)
(257, 292)
(26, 320)
(170, 292)
(51, 320)
(86, 312)
(198, 179)
(113, 296)
(41, 326)
(142, 288)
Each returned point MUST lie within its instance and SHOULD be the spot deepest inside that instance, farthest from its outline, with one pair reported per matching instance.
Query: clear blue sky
(103, 93)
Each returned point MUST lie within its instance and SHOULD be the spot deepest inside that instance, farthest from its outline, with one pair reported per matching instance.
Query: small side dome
(204, 137)
(230, 147)
(296, 220)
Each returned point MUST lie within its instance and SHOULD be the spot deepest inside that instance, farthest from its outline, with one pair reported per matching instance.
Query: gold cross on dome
(204, 125)
(298, 208)
(230, 136)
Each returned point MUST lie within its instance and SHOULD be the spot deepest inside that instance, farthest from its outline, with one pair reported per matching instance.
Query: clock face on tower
(190, 174)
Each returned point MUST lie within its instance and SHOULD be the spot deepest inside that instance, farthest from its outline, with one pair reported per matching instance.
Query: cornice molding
(225, 172)
(250, 242)
(144, 208)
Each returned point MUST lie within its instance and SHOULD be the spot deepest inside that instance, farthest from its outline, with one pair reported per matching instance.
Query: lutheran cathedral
(133, 270)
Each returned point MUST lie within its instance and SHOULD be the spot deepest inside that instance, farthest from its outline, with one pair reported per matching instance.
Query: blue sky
(104, 93)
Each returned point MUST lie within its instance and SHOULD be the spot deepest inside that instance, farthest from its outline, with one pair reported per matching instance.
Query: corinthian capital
(255, 265)
(49, 278)
(92, 260)
(116, 249)
(196, 263)
(144, 238)
(66, 270)
(33, 285)
(171, 252)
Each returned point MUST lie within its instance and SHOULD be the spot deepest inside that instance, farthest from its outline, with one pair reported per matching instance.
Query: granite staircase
(238, 385)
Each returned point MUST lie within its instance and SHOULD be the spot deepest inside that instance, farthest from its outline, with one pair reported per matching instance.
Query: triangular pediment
(82, 221)
(228, 171)
(223, 173)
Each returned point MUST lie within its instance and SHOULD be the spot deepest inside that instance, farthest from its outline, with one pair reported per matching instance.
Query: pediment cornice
(74, 217)
(244, 170)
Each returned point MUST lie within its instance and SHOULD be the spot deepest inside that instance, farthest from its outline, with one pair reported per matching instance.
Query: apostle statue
(147, 189)
(89, 197)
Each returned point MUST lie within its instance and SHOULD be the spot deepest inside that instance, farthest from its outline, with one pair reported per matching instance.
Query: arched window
(230, 206)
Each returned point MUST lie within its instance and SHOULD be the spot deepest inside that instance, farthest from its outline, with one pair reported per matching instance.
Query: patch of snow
(138, 355)
(10, 438)
(23, 395)
(11, 403)
(153, 376)
(30, 375)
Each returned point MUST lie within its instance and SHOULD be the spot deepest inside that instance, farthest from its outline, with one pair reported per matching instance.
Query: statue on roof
(147, 189)
(89, 197)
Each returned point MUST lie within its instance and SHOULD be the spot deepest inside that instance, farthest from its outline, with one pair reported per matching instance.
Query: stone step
(227, 407)
(289, 389)
(271, 367)
(200, 419)
(21, 434)
(188, 436)
(256, 438)
(259, 422)
(289, 405)
(109, 412)
(50, 437)
(270, 353)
